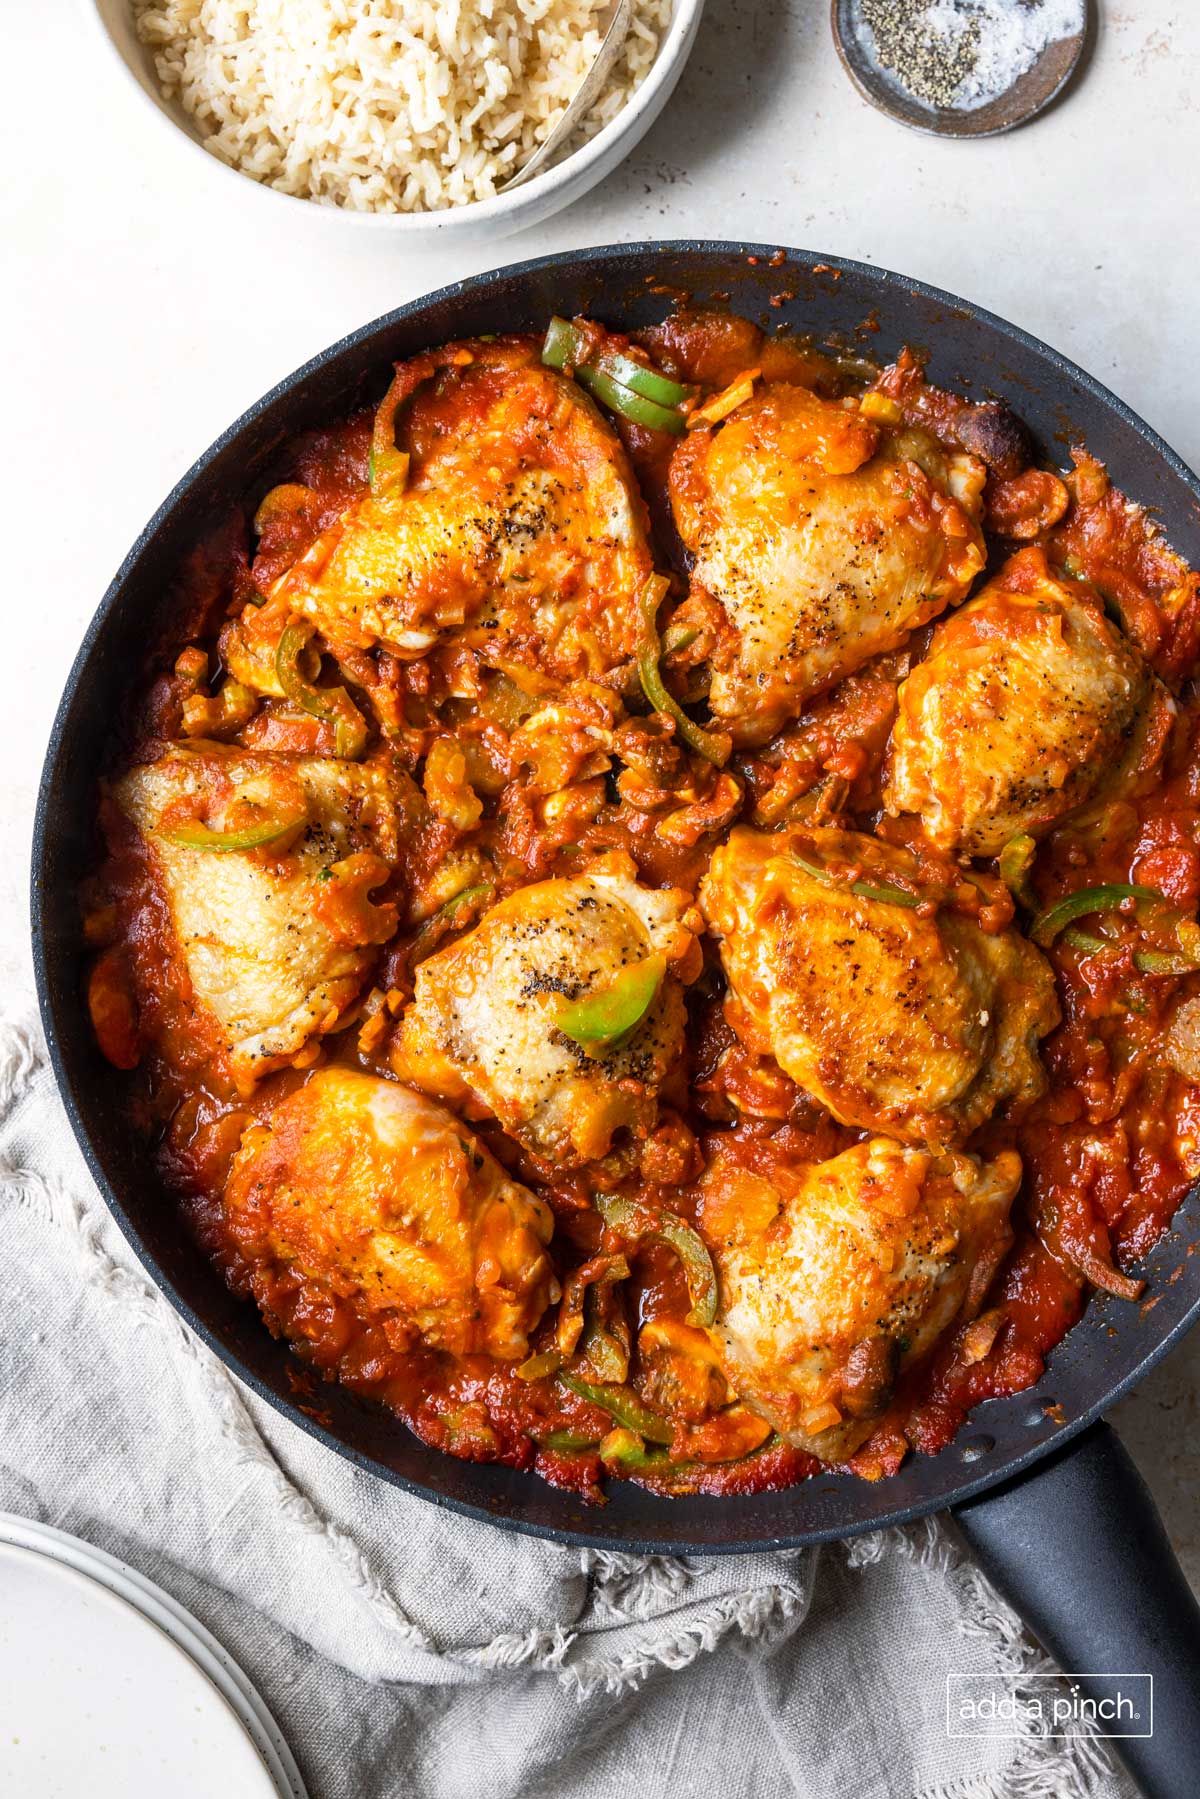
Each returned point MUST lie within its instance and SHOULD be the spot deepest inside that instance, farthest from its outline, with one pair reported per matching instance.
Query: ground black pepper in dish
(927, 62)
(960, 54)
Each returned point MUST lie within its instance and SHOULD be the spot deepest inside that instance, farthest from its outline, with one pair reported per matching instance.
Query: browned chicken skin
(519, 529)
(919, 1026)
(525, 1088)
(481, 1029)
(825, 537)
(1020, 710)
(277, 942)
(387, 1200)
(836, 1276)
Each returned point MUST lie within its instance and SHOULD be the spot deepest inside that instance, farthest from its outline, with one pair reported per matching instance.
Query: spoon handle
(584, 97)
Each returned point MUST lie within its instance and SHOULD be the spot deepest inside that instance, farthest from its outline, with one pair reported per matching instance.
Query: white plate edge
(185, 1631)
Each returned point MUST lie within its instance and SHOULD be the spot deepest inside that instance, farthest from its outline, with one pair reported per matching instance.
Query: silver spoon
(620, 12)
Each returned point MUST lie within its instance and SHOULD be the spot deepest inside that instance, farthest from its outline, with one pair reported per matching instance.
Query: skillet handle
(1078, 1548)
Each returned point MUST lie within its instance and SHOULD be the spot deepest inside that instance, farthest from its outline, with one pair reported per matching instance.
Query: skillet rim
(947, 1492)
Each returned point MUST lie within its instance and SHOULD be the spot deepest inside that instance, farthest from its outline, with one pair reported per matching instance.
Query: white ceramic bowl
(482, 219)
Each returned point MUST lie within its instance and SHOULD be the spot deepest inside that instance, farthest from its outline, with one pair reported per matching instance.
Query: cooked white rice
(386, 105)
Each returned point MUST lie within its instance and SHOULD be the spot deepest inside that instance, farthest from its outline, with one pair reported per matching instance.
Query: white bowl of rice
(399, 115)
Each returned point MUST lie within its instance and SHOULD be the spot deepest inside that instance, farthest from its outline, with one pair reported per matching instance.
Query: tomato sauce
(1108, 1151)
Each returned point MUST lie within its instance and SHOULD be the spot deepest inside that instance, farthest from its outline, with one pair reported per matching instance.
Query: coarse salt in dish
(963, 54)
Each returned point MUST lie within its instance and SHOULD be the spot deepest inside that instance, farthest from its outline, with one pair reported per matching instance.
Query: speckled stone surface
(1160, 1423)
(152, 299)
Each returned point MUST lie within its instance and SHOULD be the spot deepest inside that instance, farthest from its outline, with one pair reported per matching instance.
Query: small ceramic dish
(483, 220)
(1029, 94)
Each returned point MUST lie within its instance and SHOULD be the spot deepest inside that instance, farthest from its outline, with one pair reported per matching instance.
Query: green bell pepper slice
(599, 1271)
(1147, 961)
(387, 466)
(634, 407)
(714, 746)
(678, 637)
(868, 890)
(536, 1367)
(427, 938)
(568, 346)
(624, 1449)
(568, 1442)
(642, 380)
(468, 897)
(1085, 943)
(332, 705)
(601, 1355)
(193, 835)
(632, 1221)
(604, 1018)
(1163, 962)
(1014, 862)
(1047, 926)
(622, 1404)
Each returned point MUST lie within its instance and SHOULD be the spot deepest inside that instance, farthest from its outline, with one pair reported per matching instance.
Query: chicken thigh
(836, 1276)
(482, 1030)
(825, 537)
(380, 1200)
(918, 1026)
(276, 936)
(1022, 707)
(519, 528)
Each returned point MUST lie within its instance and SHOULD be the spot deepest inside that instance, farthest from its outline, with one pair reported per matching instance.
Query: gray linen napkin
(411, 1654)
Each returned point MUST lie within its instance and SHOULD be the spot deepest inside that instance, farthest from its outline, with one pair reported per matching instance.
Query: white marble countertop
(146, 307)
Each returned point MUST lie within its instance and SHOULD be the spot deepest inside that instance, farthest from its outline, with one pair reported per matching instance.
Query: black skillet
(1046, 1497)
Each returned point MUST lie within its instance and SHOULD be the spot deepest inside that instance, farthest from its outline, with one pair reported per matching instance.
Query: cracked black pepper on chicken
(650, 909)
